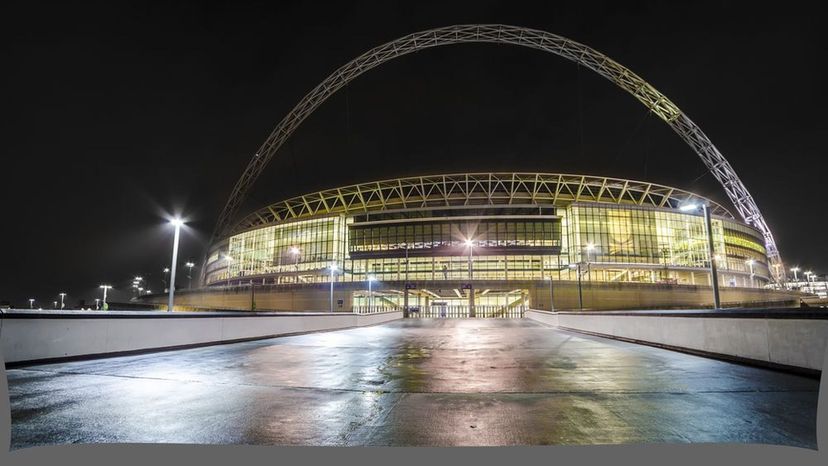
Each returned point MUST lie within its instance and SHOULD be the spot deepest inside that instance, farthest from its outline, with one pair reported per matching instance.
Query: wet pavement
(413, 382)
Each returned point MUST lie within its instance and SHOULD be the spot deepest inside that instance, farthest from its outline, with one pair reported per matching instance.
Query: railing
(462, 312)
(373, 309)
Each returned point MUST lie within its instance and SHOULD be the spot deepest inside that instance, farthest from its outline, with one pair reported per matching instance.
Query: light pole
(164, 280)
(333, 268)
(97, 303)
(103, 302)
(371, 279)
(750, 263)
(295, 251)
(62, 295)
(54, 303)
(472, 312)
(31, 303)
(189, 266)
(176, 222)
(406, 286)
(551, 300)
(470, 245)
(708, 226)
(589, 248)
(580, 293)
(136, 285)
(795, 270)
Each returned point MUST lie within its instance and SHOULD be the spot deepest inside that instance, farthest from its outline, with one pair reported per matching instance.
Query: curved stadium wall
(521, 226)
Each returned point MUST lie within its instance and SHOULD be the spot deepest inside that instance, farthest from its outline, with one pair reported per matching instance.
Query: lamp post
(97, 303)
(580, 293)
(470, 245)
(750, 263)
(551, 300)
(176, 222)
(164, 280)
(31, 303)
(589, 248)
(371, 279)
(708, 226)
(333, 269)
(405, 295)
(472, 312)
(294, 251)
(136, 285)
(62, 295)
(104, 306)
(189, 266)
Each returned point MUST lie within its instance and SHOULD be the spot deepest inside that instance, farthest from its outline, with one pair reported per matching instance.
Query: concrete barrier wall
(27, 338)
(789, 341)
(596, 295)
(545, 317)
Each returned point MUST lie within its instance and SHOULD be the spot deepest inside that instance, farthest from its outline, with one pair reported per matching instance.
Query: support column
(471, 301)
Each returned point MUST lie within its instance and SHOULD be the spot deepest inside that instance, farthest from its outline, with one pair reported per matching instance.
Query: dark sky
(117, 114)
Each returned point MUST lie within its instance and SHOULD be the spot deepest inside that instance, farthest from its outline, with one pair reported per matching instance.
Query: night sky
(116, 115)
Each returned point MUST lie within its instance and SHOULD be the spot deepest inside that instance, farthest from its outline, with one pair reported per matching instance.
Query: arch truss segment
(512, 35)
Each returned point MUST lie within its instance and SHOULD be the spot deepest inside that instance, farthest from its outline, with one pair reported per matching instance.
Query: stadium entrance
(447, 303)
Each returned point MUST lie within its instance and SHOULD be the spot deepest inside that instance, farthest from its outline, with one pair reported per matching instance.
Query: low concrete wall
(40, 336)
(788, 339)
(544, 317)
(596, 295)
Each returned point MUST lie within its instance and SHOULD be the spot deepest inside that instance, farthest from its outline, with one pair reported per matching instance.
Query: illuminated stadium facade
(490, 239)
(493, 227)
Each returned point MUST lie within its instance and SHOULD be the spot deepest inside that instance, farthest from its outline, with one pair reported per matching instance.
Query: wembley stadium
(484, 243)
(492, 243)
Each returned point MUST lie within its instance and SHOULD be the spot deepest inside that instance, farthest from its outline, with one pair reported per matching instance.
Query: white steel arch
(659, 104)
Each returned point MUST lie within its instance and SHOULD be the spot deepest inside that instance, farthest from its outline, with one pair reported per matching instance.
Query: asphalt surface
(413, 382)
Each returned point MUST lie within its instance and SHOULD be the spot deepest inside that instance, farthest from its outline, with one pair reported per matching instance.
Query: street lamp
(580, 293)
(406, 286)
(54, 303)
(470, 245)
(176, 222)
(795, 270)
(295, 252)
(164, 280)
(103, 303)
(62, 295)
(333, 269)
(708, 226)
(589, 248)
(371, 279)
(750, 263)
(97, 303)
(189, 266)
(31, 303)
(551, 300)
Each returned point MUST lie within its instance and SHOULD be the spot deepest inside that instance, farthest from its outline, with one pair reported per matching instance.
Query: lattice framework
(513, 35)
(470, 189)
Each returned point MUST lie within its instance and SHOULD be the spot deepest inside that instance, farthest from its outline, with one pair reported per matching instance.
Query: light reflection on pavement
(413, 382)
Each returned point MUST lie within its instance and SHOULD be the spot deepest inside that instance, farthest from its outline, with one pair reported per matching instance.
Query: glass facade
(630, 243)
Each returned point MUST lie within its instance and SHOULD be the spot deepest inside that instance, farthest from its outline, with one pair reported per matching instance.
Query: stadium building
(490, 243)
(484, 243)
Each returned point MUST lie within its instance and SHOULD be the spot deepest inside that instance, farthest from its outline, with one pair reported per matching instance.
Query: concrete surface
(30, 336)
(413, 382)
(783, 339)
